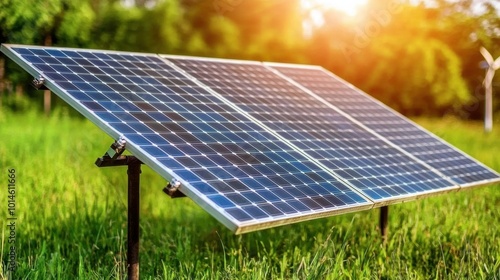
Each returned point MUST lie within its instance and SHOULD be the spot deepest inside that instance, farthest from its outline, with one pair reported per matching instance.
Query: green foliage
(76, 25)
(271, 30)
(17, 103)
(429, 86)
(28, 22)
(72, 220)
(207, 32)
(399, 54)
(163, 24)
(223, 38)
(119, 28)
(417, 58)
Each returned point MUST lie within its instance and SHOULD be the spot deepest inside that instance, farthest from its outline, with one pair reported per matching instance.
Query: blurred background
(419, 57)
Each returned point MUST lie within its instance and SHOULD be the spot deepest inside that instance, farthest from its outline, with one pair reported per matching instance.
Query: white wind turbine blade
(486, 56)
(496, 64)
(490, 72)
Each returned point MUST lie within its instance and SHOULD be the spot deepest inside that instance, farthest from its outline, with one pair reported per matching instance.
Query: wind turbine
(491, 66)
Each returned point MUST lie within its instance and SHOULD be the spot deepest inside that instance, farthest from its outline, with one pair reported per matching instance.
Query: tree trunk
(47, 98)
(2, 74)
(19, 90)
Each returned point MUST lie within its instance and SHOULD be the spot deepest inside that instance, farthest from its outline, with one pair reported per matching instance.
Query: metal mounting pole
(134, 175)
(384, 214)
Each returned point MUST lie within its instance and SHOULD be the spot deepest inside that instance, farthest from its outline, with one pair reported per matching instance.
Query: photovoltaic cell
(235, 169)
(368, 163)
(411, 138)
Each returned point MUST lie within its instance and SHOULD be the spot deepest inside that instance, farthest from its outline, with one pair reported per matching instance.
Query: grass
(72, 220)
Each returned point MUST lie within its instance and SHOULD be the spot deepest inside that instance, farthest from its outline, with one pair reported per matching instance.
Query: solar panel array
(252, 147)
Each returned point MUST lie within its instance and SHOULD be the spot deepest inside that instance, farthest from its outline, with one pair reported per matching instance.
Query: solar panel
(239, 172)
(256, 145)
(362, 159)
(389, 124)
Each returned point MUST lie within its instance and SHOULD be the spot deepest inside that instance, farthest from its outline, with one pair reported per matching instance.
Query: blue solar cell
(392, 126)
(356, 155)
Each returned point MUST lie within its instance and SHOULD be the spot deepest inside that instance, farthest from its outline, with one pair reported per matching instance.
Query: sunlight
(349, 7)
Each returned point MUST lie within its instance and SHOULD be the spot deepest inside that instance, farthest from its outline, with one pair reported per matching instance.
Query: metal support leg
(114, 157)
(384, 214)
(134, 171)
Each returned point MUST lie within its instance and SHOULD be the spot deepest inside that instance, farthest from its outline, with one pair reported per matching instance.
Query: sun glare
(349, 7)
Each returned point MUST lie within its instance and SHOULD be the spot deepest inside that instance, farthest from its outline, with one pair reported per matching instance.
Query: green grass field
(72, 220)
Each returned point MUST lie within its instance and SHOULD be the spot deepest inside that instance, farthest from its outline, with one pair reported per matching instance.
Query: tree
(422, 76)
(46, 22)
(399, 53)
(270, 30)
(208, 31)
(465, 26)
(139, 28)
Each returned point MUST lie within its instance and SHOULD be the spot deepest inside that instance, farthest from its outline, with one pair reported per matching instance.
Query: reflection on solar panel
(365, 161)
(385, 122)
(253, 148)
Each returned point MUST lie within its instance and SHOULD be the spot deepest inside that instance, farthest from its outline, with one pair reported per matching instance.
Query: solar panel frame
(378, 202)
(234, 225)
(272, 66)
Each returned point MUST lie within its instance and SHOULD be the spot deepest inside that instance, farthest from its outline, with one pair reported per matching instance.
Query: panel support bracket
(172, 189)
(39, 83)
